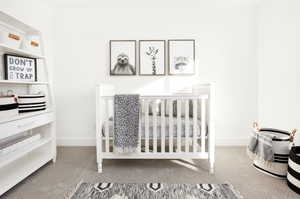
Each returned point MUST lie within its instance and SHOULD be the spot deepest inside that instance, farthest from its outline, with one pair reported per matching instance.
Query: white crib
(194, 140)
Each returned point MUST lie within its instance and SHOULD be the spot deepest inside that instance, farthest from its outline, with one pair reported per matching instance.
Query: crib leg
(211, 166)
(100, 166)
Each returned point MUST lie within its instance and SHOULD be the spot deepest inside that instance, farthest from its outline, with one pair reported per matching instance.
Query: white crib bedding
(151, 126)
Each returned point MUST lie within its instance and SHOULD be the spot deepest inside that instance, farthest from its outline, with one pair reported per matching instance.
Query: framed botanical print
(181, 57)
(122, 57)
(152, 57)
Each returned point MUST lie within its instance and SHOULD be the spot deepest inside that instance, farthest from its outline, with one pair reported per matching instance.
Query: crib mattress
(167, 126)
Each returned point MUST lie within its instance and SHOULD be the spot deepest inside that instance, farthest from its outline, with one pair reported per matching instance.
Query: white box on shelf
(11, 38)
(31, 44)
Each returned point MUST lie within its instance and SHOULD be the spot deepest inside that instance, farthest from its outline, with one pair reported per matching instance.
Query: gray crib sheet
(167, 126)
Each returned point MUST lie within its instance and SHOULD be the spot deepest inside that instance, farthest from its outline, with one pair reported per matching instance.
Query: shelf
(22, 83)
(26, 115)
(16, 51)
(21, 168)
(10, 157)
(14, 22)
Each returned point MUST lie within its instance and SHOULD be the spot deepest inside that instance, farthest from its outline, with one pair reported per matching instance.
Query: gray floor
(78, 163)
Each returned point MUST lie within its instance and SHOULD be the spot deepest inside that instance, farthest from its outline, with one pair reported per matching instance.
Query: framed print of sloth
(181, 57)
(152, 57)
(122, 57)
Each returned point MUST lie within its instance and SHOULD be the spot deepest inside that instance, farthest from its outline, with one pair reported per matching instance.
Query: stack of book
(8, 107)
(31, 103)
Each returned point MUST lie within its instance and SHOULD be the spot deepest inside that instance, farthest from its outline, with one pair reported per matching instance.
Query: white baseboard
(232, 142)
(76, 141)
(92, 142)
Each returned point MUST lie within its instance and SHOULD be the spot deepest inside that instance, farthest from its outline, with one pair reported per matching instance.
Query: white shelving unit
(20, 163)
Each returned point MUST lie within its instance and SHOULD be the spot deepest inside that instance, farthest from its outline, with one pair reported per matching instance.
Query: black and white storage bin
(281, 147)
(8, 107)
(31, 103)
(293, 176)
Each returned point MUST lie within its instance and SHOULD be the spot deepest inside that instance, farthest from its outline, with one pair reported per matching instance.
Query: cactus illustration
(152, 52)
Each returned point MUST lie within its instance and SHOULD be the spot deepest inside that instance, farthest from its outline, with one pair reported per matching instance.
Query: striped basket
(281, 147)
(31, 103)
(293, 176)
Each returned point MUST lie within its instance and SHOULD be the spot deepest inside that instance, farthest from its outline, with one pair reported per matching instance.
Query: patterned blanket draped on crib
(126, 123)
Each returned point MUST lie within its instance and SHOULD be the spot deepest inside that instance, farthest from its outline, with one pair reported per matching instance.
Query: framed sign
(122, 57)
(18, 68)
(181, 57)
(152, 57)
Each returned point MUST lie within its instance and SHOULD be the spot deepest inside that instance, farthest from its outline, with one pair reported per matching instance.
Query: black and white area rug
(153, 191)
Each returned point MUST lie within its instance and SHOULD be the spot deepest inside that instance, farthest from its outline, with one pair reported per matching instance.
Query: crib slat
(163, 126)
(170, 125)
(154, 109)
(203, 124)
(146, 126)
(179, 126)
(187, 125)
(195, 125)
(107, 126)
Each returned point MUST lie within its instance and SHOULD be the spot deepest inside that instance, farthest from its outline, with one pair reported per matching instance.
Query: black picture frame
(110, 57)
(165, 57)
(169, 61)
(5, 56)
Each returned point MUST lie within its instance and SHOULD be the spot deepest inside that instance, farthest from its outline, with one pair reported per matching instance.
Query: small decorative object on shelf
(31, 103)
(152, 57)
(19, 68)
(293, 177)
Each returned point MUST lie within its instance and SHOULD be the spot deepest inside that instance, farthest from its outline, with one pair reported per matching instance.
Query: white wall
(279, 64)
(233, 41)
(225, 33)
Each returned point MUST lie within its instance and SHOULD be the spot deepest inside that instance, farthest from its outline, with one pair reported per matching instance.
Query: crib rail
(184, 115)
(171, 97)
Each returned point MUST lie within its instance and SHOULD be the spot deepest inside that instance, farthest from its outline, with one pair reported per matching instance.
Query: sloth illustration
(123, 67)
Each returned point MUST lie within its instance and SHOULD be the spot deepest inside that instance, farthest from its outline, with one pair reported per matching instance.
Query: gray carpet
(75, 164)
